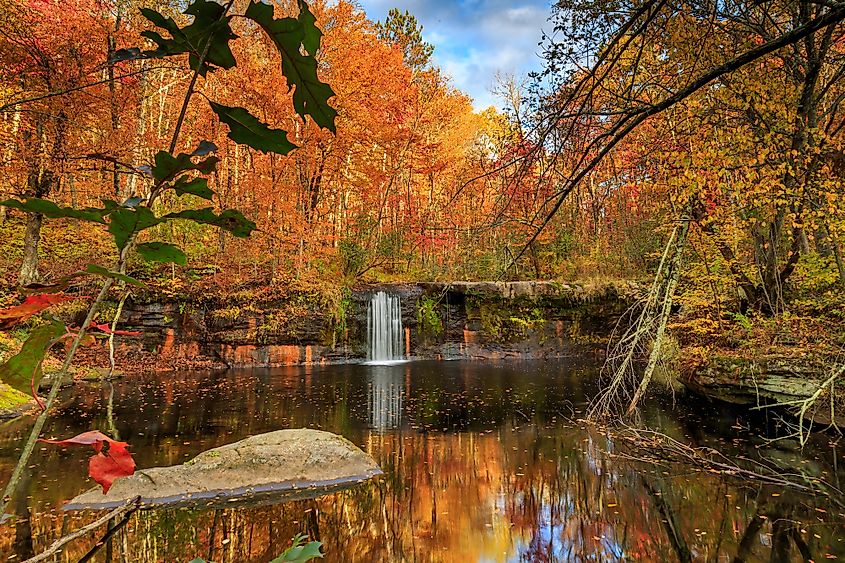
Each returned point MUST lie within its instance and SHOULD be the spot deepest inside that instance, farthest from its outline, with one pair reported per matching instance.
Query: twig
(703, 458)
(32, 386)
(189, 94)
(647, 328)
(803, 405)
(23, 460)
(657, 346)
(113, 328)
(110, 532)
(12, 105)
(633, 118)
(123, 510)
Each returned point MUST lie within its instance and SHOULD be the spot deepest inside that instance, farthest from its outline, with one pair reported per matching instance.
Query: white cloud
(476, 39)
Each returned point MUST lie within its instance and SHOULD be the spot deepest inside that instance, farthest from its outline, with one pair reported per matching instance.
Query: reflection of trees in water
(385, 395)
(520, 492)
(513, 484)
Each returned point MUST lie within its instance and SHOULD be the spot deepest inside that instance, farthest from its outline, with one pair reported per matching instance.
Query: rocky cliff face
(456, 320)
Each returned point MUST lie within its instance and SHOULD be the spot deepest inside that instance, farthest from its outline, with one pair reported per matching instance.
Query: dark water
(481, 464)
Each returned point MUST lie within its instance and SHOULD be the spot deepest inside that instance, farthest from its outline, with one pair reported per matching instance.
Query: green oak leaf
(53, 211)
(291, 36)
(124, 222)
(246, 129)
(205, 148)
(168, 166)
(229, 220)
(96, 270)
(207, 166)
(209, 25)
(194, 186)
(209, 17)
(161, 252)
(23, 370)
(130, 54)
(312, 33)
(299, 553)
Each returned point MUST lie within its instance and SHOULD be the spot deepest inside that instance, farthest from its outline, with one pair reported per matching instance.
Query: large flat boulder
(264, 469)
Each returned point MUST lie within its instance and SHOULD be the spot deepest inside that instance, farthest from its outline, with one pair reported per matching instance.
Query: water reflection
(480, 465)
(385, 394)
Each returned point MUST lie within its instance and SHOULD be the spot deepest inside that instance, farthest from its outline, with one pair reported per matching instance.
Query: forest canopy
(726, 115)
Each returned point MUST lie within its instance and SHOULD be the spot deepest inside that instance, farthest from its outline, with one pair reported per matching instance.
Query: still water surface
(482, 463)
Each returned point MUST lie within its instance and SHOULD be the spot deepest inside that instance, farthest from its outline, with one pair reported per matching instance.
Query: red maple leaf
(32, 305)
(111, 460)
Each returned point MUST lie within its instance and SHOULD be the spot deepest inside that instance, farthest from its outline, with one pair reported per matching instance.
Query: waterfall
(384, 328)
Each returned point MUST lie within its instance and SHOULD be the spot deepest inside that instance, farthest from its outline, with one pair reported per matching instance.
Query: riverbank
(443, 321)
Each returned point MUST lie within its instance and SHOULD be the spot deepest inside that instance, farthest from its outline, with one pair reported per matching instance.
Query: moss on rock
(11, 401)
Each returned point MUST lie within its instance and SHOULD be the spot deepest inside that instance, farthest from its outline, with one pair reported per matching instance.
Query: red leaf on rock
(111, 461)
(32, 305)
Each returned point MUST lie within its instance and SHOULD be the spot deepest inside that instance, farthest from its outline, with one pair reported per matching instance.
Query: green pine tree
(404, 30)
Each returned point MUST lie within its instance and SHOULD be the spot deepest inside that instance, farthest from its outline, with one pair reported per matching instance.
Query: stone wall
(457, 320)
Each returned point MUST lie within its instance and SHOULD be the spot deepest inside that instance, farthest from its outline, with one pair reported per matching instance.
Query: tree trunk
(671, 282)
(535, 260)
(38, 185)
(837, 253)
(32, 238)
(115, 119)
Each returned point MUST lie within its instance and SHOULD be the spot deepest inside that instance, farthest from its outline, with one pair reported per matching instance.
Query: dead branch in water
(645, 336)
(808, 408)
(121, 511)
(656, 448)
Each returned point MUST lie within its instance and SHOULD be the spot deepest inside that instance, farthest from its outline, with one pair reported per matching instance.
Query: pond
(483, 462)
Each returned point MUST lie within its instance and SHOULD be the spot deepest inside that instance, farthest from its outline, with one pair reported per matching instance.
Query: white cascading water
(384, 328)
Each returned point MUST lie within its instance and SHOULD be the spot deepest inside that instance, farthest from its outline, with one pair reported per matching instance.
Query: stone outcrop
(772, 380)
(766, 378)
(456, 320)
(267, 468)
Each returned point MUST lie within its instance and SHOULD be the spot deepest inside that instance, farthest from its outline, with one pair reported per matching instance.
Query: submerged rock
(264, 469)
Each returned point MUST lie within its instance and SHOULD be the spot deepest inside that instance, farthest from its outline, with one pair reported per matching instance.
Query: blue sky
(475, 39)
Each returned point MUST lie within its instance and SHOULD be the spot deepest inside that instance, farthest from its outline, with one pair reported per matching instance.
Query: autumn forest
(253, 217)
(383, 192)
